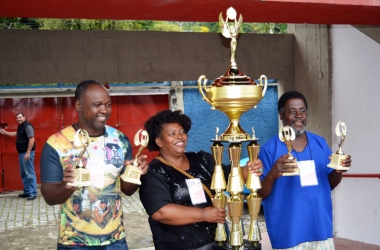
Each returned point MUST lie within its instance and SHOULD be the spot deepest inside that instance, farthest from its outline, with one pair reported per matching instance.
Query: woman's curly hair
(154, 125)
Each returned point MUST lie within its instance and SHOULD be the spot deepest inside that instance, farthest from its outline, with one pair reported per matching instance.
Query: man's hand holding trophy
(287, 134)
(339, 156)
(82, 174)
(132, 172)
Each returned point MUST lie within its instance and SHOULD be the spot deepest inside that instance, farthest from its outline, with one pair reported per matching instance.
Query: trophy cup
(132, 172)
(336, 159)
(82, 174)
(233, 94)
(287, 134)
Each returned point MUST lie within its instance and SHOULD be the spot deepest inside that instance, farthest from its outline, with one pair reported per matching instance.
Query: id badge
(96, 173)
(197, 195)
(308, 176)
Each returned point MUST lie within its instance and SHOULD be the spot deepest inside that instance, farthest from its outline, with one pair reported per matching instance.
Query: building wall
(312, 74)
(35, 56)
(355, 95)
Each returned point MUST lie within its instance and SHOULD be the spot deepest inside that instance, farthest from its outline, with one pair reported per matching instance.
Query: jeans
(28, 175)
(118, 245)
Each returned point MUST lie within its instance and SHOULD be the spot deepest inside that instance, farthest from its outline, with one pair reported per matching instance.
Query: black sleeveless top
(22, 140)
(164, 185)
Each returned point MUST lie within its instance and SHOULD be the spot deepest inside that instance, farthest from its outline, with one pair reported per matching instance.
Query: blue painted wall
(264, 119)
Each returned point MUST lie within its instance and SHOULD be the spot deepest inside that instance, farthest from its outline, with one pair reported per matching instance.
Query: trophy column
(235, 203)
(253, 200)
(235, 188)
(218, 183)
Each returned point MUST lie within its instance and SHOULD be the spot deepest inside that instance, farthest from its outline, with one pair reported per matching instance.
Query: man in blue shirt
(298, 209)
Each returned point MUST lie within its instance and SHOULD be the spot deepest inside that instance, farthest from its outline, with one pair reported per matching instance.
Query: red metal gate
(48, 115)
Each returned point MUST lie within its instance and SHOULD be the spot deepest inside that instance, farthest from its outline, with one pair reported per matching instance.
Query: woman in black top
(177, 219)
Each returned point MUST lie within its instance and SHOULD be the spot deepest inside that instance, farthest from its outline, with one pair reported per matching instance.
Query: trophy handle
(265, 84)
(207, 89)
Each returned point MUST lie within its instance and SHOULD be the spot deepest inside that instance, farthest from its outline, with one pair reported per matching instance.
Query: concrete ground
(29, 225)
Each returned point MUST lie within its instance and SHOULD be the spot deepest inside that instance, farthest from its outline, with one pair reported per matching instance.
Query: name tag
(96, 173)
(197, 195)
(308, 176)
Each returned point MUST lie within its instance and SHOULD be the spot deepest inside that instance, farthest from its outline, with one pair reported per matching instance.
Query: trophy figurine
(336, 159)
(287, 134)
(82, 174)
(132, 172)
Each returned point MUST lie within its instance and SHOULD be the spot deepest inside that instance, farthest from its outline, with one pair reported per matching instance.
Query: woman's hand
(214, 214)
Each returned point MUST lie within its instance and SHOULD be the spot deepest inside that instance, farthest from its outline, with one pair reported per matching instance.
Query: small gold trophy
(82, 174)
(132, 172)
(287, 134)
(336, 159)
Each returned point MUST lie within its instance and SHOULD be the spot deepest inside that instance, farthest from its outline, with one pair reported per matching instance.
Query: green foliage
(212, 27)
(269, 28)
(84, 24)
(247, 28)
(19, 23)
(280, 28)
(200, 29)
(168, 26)
(165, 26)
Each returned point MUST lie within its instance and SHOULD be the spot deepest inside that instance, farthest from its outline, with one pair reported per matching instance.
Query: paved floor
(29, 225)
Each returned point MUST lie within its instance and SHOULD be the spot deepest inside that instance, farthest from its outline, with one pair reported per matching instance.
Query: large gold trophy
(233, 94)
(132, 172)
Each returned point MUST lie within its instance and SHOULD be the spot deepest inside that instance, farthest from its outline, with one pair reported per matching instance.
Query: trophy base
(80, 184)
(132, 175)
(295, 173)
(335, 162)
(131, 180)
(247, 245)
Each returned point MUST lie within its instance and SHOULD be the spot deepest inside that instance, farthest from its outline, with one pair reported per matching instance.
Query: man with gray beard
(298, 209)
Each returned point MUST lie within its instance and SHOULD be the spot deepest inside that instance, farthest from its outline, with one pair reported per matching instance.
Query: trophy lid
(233, 76)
